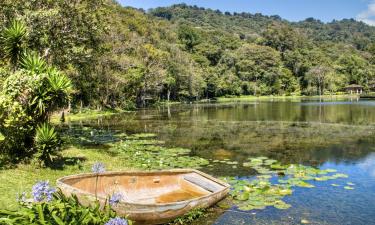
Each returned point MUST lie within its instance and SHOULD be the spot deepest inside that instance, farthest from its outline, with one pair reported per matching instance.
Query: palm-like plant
(47, 143)
(13, 41)
(33, 63)
(59, 89)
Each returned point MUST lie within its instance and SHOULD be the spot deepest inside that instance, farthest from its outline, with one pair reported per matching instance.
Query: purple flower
(42, 191)
(117, 221)
(98, 167)
(115, 199)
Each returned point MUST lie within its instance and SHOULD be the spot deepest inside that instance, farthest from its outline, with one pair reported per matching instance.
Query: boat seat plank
(202, 182)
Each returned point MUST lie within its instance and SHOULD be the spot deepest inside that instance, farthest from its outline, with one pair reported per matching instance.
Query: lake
(325, 134)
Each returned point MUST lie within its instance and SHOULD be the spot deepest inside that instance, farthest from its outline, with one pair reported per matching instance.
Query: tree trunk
(168, 95)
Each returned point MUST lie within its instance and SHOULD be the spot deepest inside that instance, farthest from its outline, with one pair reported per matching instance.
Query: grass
(271, 97)
(77, 160)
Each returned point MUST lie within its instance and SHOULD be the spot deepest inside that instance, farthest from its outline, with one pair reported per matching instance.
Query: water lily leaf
(243, 197)
(281, 205)
(350, 184)
(335, 185)
(261, 192)
(330, 170)
(349, 188)
(321, 178)
(247, 164)
(278, 166)
(269, 162)
(340, 175)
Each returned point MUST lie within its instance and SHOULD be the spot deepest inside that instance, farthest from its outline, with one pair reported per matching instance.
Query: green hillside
(121, 57)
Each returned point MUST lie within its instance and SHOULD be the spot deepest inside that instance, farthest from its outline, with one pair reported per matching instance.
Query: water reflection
(368, 165)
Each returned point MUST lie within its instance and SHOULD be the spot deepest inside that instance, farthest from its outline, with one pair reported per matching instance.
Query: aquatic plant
(117, 221)
(258, 193)
(189, 217)
(42, 191)
(149, 154)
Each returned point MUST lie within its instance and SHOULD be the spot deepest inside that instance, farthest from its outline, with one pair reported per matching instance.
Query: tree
(281, 36)
(188, 36)
(258, 64)
(317, 75)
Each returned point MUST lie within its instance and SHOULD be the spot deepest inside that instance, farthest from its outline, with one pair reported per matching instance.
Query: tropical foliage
(47, 143)
(119, 57)
(31, 91)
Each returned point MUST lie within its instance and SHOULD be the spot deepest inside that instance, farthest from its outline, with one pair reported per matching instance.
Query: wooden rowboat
(152, 197)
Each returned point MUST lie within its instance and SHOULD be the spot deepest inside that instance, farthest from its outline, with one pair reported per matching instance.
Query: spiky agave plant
(47, 143)
(13, 41)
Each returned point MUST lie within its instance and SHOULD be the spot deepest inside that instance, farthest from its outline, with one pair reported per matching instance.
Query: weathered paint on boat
(151, 197)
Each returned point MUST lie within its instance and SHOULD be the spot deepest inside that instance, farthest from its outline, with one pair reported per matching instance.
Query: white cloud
(368, 16)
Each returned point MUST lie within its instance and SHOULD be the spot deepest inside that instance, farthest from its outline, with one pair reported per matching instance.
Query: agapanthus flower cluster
(117, 221)
(98, 167)
(115, 199)
(42, 191)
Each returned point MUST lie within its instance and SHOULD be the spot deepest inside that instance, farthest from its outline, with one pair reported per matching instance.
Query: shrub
(47, 143)
(27, 99)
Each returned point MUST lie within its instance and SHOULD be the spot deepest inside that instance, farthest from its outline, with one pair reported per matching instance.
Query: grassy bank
(74, 160)
(83, 115)
(271, 97)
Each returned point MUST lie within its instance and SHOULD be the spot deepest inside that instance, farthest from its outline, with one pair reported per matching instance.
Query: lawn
(74, 160)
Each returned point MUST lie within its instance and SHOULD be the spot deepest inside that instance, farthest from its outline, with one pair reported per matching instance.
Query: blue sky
(293, 10)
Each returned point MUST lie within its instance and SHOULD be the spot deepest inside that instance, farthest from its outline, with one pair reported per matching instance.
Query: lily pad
(349, 188)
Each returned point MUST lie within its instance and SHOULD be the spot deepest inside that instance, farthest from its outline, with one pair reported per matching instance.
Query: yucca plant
(60, 88)
(47, 143)
(13, 41)
(33, 63)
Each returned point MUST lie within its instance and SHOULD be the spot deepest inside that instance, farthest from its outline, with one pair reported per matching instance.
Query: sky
(292, 10)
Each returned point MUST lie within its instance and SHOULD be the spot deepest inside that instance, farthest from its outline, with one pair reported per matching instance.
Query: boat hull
(168, 188)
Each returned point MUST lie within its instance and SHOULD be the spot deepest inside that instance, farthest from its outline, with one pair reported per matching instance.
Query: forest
(73, 73)
(121, 57)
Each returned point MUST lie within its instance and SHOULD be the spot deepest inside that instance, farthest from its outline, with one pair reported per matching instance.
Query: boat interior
(148, 188)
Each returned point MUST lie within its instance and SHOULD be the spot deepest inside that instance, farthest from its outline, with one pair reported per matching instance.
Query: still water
(325, 134)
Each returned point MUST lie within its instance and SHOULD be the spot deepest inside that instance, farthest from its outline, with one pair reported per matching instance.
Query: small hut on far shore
(354, 89)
